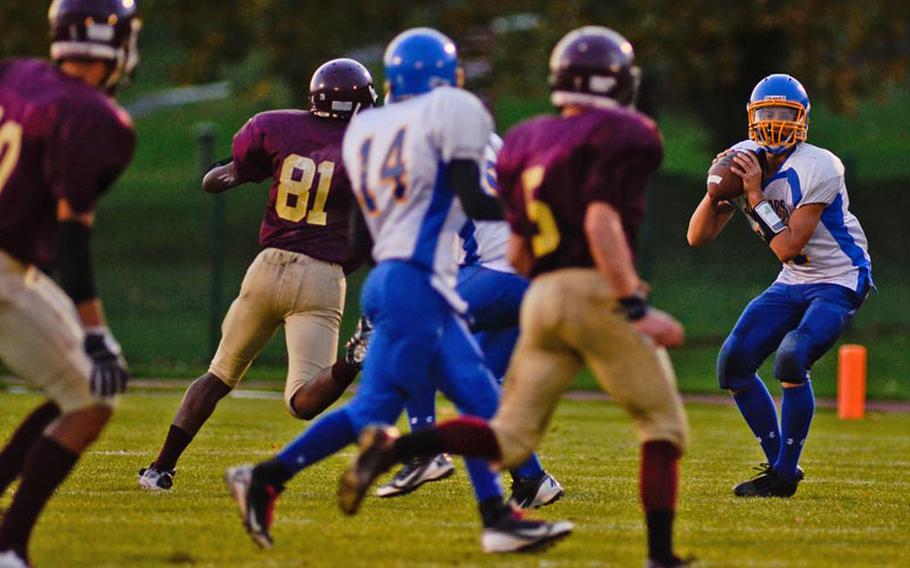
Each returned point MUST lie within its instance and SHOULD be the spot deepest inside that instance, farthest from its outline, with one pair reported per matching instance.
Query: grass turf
(852, 510)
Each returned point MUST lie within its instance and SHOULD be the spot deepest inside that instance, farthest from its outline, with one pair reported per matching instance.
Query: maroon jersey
(310, 200)
(59, 139)
(551, 168)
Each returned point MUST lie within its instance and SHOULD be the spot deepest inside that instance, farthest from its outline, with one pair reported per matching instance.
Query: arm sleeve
(460, 125)
(465, 178)
(828, 185)
(90, 148)
(251, 160)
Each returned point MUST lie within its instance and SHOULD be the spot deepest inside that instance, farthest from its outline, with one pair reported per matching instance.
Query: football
(723, 184)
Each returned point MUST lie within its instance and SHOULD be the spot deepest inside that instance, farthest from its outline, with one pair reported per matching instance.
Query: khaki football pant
(283, 288)
(41, 339)
(568, 320)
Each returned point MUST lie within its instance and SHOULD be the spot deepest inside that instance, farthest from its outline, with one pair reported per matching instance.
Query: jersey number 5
(10, 147)
(294, 185)
(547, 238)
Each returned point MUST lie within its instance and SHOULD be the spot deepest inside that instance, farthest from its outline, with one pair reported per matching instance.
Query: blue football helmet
(778, 113)
(419, 60)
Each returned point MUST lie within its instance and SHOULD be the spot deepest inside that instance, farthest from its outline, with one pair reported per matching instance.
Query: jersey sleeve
(91, 146)
(827, 182)
(459, 125)
(621, 172)
(251, 159)
(508, 178)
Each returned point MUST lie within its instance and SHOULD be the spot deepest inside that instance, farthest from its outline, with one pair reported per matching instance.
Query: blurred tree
(701, 55)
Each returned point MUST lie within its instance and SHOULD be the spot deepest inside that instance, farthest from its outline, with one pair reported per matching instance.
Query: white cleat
(536, 493)
(415, 473)
(152, 479)
(515, 534)
(10, 559)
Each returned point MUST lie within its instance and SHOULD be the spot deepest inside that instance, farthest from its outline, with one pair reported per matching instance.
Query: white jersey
(395, 157)
(837, 252)
(484, 242)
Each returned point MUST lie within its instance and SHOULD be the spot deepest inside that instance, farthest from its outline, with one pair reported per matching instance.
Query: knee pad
(735, 367)
(792, 362)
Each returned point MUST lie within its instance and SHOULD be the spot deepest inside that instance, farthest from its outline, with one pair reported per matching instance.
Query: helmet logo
(100, 32)
(601, 84)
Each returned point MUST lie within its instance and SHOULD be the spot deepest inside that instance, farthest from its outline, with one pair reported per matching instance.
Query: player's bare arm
(708, 220)
(221, 177)
(109, 372)
(519, 255)
(613, 259)
(790, 240)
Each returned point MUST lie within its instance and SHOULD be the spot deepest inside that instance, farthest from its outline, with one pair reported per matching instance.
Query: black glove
(109, 371)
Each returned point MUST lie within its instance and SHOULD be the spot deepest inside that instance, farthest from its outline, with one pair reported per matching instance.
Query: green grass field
(852, 510)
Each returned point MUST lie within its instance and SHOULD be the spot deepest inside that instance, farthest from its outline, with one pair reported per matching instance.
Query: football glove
(356, 347)
(109, 373)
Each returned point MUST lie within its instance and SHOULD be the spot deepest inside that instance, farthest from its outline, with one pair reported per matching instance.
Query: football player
(796, 198)
(574, 188)
(493, 291)
(414, 168)
(63, 142)
(298, 279)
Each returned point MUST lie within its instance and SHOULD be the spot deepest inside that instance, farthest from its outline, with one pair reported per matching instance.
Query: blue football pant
(419, 345)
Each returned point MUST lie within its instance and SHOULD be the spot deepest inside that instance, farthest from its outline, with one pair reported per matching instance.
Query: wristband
(633, 307)
(768, 220)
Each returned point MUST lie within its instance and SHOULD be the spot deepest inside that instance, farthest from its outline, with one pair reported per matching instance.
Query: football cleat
(415, 473)
(513, 533)
(153, 479)
(533, 493)
(256, 501)
(355, 350)
(375, 457)
(9, 559)
(768, 483)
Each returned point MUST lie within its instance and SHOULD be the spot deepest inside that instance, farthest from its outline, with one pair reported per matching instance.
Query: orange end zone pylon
(851, 382)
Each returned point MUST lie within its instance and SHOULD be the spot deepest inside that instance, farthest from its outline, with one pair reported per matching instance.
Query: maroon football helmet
(340, 88)
(594, 66)
(105, 30)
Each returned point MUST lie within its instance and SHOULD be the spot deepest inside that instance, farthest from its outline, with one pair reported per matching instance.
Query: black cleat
(375, 457)
(513, 533)
(256, 501)
(768, 483)
(533, 493)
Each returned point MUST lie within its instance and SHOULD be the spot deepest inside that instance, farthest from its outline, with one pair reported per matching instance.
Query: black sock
(47, 465)
(12, 458)
(419, 444)
(492, 510)
(660, 535)
(176, 442)
(273, 473)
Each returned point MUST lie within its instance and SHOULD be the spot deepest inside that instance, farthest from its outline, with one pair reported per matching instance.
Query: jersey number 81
(296, 180)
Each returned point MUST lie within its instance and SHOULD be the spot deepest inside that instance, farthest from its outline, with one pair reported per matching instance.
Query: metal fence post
(205, 154)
